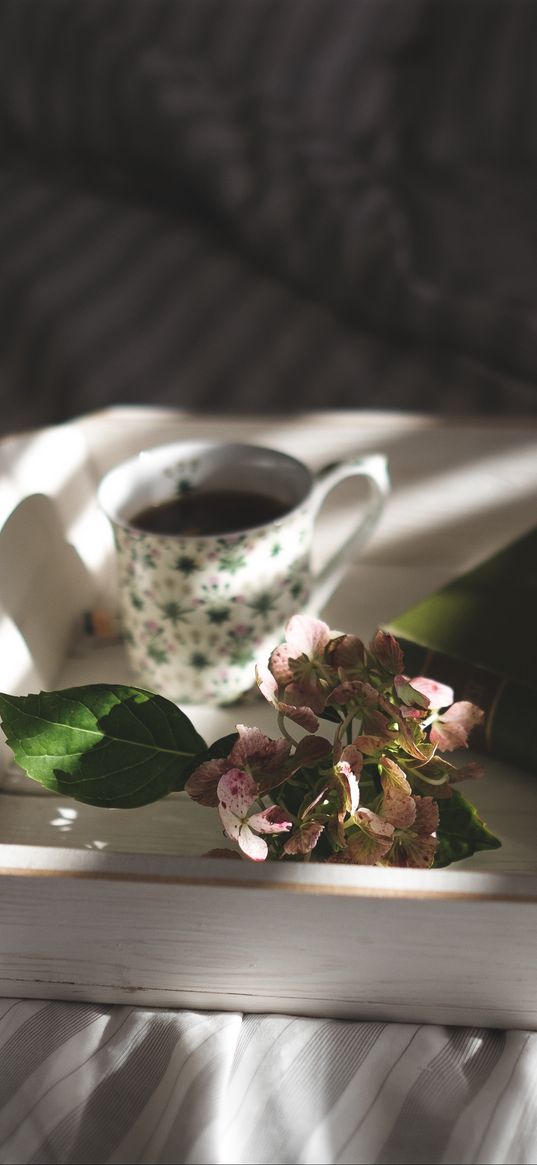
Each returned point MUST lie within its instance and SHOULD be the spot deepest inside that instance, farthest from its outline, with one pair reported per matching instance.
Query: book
(479, 635)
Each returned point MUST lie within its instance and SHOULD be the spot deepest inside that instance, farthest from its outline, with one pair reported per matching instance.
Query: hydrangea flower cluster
(366, 793)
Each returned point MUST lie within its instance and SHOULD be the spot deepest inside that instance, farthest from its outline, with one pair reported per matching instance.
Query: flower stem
(346, 725)
(430, 780)
(283, 729)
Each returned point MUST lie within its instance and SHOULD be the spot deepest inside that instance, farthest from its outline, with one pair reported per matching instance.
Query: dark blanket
(267, 205)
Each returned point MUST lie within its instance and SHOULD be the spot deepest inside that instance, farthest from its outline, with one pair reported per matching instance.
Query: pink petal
(448, 736)
(370, 745)
(393, 776)
(350, 785)
(387, 650)
(310, 750)
(364, 850)
(257, 751)
(438, 695)
(236, 792)
(356, 690)
(343, 693)
(271, 820)
(352, 755)
(279, 664)
(307, 636)
(398, 808)
(464, 713)
(202, 784)
(374, 825)
(305, 695)
(266, 683)
(376, 724)
(427, 816)
(410, 713)
(305, 839)
(451, 729)
(348, 652)
(302, 716)
(414, 852)
(231, 823)
(253, 846)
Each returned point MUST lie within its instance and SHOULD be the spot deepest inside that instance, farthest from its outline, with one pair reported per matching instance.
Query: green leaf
(103, 744)
(461, 832)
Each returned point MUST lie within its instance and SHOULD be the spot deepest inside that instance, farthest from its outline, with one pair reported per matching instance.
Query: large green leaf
(104, 744)
(461, 832)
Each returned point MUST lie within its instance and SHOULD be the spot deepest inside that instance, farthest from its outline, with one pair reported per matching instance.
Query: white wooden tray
(118, 905)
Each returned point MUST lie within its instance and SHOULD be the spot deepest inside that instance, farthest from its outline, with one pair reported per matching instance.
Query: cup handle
(374, 467)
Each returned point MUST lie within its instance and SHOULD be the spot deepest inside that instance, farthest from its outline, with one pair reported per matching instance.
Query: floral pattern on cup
(198, 613)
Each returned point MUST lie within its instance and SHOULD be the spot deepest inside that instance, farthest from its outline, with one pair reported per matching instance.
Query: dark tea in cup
(199, 513)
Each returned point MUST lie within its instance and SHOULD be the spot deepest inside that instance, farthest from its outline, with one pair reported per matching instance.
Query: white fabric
(88, 1083)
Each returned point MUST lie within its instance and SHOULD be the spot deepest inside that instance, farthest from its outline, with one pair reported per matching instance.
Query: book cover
(479, 634)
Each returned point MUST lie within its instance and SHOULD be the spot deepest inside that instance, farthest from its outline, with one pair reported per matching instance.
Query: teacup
(214, 548)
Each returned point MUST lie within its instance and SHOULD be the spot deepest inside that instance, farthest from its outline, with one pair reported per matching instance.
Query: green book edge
(486, 617)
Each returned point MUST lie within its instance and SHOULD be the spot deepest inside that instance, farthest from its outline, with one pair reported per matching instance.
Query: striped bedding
(84, 1084)
(264, 205)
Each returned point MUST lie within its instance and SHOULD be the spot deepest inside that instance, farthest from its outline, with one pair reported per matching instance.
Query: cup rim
(160, 450)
